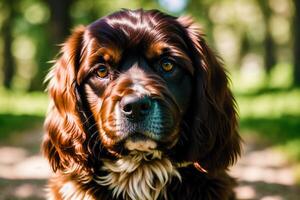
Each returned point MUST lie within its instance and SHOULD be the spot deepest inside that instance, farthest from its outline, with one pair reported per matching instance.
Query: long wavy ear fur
(64, 136)
(215, 142)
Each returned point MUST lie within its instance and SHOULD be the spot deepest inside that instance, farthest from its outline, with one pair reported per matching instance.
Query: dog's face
(139, 81)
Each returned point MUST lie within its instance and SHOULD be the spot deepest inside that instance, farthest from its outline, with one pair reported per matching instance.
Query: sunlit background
(259, 41)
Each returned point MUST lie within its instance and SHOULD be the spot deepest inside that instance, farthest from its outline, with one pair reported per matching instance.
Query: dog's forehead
(114, 53)
(146, 32)
(156, 49)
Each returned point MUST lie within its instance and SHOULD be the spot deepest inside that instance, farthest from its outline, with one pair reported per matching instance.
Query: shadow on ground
(22, 189)
(23, 171)
(260, 190)
(263, 174)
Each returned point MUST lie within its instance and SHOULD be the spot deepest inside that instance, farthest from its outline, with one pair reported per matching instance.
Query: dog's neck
(138, 175)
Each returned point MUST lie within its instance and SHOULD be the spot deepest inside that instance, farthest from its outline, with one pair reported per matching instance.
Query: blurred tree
(297, 43)
(269, 45)
(60, 20)
(8, 59)
(199, 10)
(58, 29)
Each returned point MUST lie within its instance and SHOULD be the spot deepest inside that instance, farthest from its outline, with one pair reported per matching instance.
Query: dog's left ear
(63, 141)
(214, 143)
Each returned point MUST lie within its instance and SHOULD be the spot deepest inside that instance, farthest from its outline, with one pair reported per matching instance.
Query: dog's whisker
(92, 126)
(87, 119)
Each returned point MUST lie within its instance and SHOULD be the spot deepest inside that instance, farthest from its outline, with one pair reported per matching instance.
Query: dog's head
(139, 81)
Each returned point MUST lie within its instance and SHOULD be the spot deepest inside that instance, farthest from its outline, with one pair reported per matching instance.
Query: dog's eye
(167, 65)
(102, 71)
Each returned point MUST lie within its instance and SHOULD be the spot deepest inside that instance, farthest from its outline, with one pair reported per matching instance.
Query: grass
(273, 114)
(18, 103)
(21, 111)
(18, 123)
(272, 103)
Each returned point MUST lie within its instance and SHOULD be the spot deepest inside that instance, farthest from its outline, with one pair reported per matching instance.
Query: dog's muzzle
(136, 109)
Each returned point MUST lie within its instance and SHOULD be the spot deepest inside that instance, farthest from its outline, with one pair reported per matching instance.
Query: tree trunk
(60, 21)
(297, 43)
(58, 29)
(270, 57)
(269, 45)
(8, 59)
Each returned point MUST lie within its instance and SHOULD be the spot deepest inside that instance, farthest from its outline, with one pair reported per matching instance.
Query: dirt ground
(263, 173)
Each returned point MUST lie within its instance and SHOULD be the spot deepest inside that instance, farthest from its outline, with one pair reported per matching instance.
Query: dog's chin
(140, 143)
(138, 146)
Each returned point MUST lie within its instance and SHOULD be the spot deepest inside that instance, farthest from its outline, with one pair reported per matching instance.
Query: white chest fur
(137, 177)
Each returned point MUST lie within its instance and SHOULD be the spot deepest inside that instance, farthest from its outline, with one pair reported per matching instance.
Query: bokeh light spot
(37, 13)
(23, 48)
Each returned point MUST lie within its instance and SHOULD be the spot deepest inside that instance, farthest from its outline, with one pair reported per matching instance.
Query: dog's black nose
(135, 108)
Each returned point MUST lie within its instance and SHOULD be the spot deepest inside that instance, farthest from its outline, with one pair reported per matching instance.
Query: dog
(140, 109)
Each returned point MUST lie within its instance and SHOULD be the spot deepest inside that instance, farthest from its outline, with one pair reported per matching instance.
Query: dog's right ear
(62, 144)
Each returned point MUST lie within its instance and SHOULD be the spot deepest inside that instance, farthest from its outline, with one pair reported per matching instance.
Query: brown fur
(199, 139)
